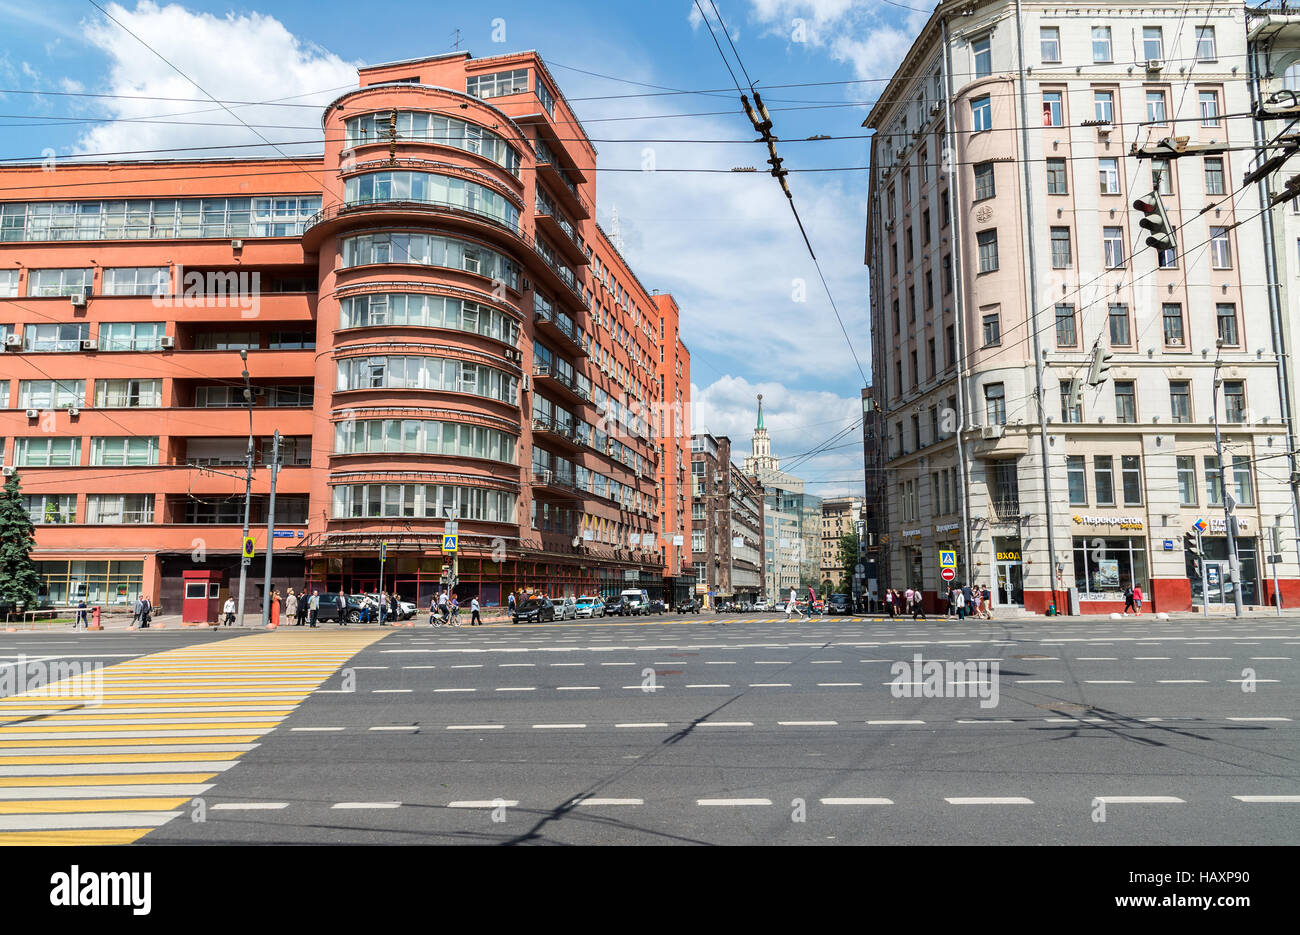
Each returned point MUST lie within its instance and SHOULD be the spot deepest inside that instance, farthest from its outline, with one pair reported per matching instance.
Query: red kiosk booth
(202, 600)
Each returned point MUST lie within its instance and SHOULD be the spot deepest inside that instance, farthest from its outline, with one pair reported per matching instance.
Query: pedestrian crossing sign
(947, 558)
(449, 543)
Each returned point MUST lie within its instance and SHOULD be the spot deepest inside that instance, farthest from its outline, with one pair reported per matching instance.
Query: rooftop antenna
(615, 233)
(456, 35)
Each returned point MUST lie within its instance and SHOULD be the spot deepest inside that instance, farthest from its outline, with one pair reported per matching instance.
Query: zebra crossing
(105, 757)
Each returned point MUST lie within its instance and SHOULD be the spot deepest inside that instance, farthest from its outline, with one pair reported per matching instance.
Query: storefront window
(1104, 567)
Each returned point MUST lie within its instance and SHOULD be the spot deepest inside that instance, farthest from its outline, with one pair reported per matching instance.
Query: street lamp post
(244, 560)
(1234, 566)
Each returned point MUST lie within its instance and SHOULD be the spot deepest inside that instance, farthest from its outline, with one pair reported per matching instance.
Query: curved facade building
(470, 348)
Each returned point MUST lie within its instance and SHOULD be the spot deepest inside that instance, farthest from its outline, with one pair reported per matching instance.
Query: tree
(848, 560)
(19, 582)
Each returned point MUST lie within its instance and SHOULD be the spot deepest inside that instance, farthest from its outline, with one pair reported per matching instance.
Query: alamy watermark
(936, 678)
(41, 678)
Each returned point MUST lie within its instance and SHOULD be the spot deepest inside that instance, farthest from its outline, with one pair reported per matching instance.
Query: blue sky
(724, 244)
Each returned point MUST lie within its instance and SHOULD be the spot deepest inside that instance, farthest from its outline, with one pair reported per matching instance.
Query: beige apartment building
(1005, 254)
(840, 516)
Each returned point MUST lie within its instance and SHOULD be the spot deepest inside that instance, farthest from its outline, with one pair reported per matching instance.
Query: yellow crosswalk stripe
(67, 750)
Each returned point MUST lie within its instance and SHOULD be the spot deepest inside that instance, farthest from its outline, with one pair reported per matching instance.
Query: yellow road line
(41, 727)
(107, 779)
(119, 758)
(77, 837)
(54, 806)
(125, 741)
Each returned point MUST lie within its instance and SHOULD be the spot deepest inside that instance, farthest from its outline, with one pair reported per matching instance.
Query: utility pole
(245, 561)
(270, 531)
(1234, 567)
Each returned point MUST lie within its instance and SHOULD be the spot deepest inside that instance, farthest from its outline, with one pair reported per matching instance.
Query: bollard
(94, 619)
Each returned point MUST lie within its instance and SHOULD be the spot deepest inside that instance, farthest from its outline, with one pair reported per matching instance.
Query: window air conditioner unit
(548, 477)
(33, 413)
(14, 341)
(1154, 64)
(524, 385)
(167, 342)
(78, 300)
(236, 245)
(543, 372)
(89, 345)
(524, 284)
(8, 472)
(992, 431)
(74, 412)
(935, 108)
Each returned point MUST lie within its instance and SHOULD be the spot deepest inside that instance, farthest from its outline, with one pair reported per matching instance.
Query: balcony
(562, 234)
(558, 277)
(554, 483)
(1005, 507)
(549, 378)
(335, 217)
(549, 323)
(549, 430)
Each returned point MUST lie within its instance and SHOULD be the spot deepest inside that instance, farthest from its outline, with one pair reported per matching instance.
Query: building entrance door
(1011, 589)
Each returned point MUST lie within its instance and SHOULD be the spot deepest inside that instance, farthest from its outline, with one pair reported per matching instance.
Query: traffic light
(1192, 555)
(1100, 366)
(1155, 220)
(1076, 397)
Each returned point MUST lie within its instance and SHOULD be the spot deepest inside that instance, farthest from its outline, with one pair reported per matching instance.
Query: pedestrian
(443, 611)
(302, 607)
(137, 611)
(365, 609)
(889, 602)
(1137, 598)
(918, 605)
(455, 611)
(968, 599)
(433, 611)
(959, 603)
(228, 611)
(907, 598)
(291, 608)
(275, 608)
(342, 601)
(510, 604)
(952, 601)
(313, 607)
(383, 608)
(987, 602)
(1128, 598)
(81, 622)
(474, 619)
(146, 612)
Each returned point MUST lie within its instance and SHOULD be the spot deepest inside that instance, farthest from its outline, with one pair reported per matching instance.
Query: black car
(839, 604)
(618, 607)
(534, 610)
(689, 606)
(657, 607)
(345, 608)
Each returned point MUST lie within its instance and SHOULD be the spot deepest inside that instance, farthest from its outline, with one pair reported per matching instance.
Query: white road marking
(769, 684)
(527, 689)
(366, 805)
(895, 722)
(1180, 681)
(485, 803)
(733, 802)
(839, 684)
(247, 806)
(857, 801)
(455, 689)
(557, 726)
(392, 691)
(708, 686)
(598, 801)
(1141, 800)
(989, 800)
(577, 688)
(807, 723)
(1259, 719)
(475, 727)
(1268, 799)
(1039, 682)
(726, 723)
(1107, 682)
(397, 727)
(645, 724)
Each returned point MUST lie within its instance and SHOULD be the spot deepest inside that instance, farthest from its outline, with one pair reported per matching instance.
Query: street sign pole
(270, 532)
(1205, 593)
(1275, 559)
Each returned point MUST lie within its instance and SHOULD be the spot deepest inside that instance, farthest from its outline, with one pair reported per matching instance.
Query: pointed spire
(760, 411)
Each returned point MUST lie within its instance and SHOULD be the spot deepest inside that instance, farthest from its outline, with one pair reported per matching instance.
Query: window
(498, 83)
(143, 280)
(1103, 479)
(1077, 478)
(1241, 480)
(47, 452)
(1056, 177)
(1103, 105)
(119, 508)
(1053, 113)
(1070, 411)
(1180, 401)
(1226, 316)
(1112, 240)
(131, 335)
(925, 226)
(1205, 46)
(50, 508)
(995, 404)
(988, 250)
(984, 185)
(51, 394)
(128, 394)
(1209, 108)
(1156, 107)
(1153, 45)
(1162, 176)
(1220, 248)
(1214, 176)
(1171, 314)
(981, 113)
(983, 52)
(1131, 476)
(1118, 318)
(1066, 334)
(1234, 401)
(1108, 176)
(1101, 44)
(8, 283)
(947, 275)
(46, 282)
(1049, 43)
(62, 338)
(1125, 402)
(1061, 248)
(1186, 480)
(1167, 259)
(124, 452)
(992, 329)
(1213, 482)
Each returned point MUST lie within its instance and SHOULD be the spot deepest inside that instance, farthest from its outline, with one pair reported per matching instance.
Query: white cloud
(244, 57)
(867, 35)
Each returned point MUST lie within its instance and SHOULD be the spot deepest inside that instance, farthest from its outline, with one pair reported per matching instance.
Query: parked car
(565, 608)
(839, 604)
(637, 602)
(534, 610)
(589, 606)
(405, 609)
(689, 606)
(762, 605)
(657, 606)
(346, 608)
(617, 607)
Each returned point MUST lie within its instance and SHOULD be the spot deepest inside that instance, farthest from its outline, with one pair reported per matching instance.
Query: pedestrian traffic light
(1155, 220)
(1100, 366)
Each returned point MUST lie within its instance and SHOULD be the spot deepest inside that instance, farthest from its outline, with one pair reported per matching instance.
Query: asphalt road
(707, 730)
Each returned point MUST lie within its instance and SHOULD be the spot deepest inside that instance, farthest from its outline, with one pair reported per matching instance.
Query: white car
(590, 607)
(565, 608)
(638, 600)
